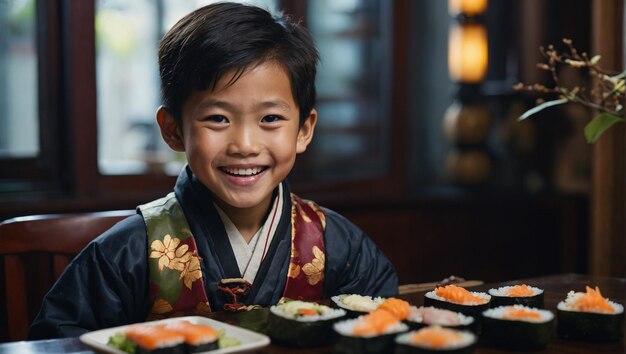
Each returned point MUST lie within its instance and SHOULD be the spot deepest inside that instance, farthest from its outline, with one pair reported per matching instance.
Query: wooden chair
(47, 243)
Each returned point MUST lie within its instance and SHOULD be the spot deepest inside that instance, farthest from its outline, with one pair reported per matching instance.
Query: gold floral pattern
(203, 309)
(192, 271)
(160, 307)
(169, 254)
(173, 255)
(314, 271)
(294, 270)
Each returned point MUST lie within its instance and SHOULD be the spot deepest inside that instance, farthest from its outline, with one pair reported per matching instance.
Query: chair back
(34, 251)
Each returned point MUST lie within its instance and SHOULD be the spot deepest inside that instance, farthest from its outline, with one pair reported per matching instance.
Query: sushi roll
(458, 299)
(357, 305)
(151, 339)
(435, 339)
(517, 295)
(198, 338)
(373, 333)
(517, 327)
(589, 316)
(420, 317)
(301, 323)
(397, 307)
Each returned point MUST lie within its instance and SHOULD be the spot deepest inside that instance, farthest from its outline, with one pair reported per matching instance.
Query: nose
(245, 140)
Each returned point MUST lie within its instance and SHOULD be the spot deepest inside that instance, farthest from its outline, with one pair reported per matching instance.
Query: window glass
(19, 124)
(127, 35)
(352, 133)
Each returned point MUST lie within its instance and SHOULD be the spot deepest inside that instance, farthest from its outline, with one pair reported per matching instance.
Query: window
(18, 79)
(353, 131)
(29, 95)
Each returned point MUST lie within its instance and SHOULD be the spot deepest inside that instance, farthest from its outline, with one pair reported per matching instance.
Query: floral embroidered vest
(176, 285)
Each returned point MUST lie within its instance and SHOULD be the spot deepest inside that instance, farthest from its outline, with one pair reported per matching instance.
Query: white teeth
(243, 171)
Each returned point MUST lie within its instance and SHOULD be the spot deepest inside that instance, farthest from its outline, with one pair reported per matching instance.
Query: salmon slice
(195, 334)
(153, 337)
(520, 291)
(435, 337)
(458, 295)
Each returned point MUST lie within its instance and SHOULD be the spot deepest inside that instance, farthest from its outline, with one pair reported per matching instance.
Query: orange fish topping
(520, 291)
(151, 337)
(375, 322)
(435, 337)
(307, 312)
(194, 333)
(593, 301)
(520, 313)
(458, 295)
(398, 308)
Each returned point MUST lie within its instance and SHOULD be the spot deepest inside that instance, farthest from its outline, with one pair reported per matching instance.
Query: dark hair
(223, 37)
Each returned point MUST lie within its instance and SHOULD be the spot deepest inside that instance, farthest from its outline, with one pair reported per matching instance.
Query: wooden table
(555, 287)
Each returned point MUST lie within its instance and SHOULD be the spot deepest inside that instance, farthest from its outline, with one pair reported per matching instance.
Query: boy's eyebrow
(278, 103)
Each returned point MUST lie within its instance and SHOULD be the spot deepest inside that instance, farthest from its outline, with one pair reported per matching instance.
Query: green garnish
(225, 341)
(120, 342)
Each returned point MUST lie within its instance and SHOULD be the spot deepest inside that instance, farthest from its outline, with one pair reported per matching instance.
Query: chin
(244, 203)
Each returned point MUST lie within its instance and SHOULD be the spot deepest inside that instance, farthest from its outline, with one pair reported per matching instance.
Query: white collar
(250, 255)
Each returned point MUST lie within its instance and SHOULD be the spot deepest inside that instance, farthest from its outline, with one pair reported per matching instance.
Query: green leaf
(619, 76)
(541, 107)
(599, 124)
(595, 59)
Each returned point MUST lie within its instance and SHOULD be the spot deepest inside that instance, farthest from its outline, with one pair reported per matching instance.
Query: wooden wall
(488, 239)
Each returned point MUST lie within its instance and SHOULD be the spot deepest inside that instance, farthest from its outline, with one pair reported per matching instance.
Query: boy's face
(241, 140)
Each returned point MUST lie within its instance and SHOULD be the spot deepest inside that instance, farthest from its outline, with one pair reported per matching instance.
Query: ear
(305, 134)
(169, 129)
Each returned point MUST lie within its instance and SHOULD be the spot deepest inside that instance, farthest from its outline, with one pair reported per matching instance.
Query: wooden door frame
(608, 196)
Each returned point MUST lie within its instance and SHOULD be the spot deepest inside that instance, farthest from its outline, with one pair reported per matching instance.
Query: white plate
(97, 340)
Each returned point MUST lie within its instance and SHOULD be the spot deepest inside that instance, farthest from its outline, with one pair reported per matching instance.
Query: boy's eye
(270, 119)
(216, 119)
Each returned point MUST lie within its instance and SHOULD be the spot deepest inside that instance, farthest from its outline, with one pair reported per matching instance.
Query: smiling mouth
(243, 172)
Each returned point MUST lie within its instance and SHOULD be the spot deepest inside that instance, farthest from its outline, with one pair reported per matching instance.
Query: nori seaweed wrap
(458, 299)
(525, 295)
(517, 327)
(302, 324)
(589, 316)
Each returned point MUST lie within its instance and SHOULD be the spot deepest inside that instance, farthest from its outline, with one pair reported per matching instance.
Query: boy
(238, 91)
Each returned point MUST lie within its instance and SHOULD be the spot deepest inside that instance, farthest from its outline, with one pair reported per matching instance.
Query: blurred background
(418, 141)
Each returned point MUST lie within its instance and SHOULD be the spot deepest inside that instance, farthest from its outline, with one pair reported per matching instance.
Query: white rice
(504, 291)
(433, 295)
(356, 302)
(467, 338)
(499, 312)
(289, 310)
(569, 304)
(346, 328)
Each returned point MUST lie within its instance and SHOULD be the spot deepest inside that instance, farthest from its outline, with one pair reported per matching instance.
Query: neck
(248, 220)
